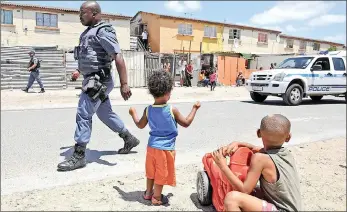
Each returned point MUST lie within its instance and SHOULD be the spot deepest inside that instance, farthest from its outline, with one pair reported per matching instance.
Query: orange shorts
(160, 166)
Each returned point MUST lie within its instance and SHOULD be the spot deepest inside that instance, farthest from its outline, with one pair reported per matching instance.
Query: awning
(246, 56)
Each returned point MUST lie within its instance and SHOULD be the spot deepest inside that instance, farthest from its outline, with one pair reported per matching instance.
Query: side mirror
(316, 68)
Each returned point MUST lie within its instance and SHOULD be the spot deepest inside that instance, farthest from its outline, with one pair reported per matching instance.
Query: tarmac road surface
(33, 142)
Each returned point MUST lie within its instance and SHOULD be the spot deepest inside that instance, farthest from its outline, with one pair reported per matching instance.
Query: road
(33, 142)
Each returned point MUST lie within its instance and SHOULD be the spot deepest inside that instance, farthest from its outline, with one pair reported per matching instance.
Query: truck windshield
(295, 62)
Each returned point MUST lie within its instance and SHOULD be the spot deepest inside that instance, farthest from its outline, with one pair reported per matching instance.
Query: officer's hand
(75, 75)
(125, 92)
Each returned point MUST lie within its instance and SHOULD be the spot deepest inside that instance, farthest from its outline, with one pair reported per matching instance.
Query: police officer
(33, 68)
(97, 49)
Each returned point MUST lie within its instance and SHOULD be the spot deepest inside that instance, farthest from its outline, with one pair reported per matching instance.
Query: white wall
(249, 42)
(66, 35)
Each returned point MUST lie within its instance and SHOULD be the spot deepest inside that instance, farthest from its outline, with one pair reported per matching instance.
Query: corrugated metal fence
(57, 67)
(138, 65)
(14, 64)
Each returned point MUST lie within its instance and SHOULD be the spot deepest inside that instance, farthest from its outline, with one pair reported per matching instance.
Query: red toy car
(212, 184)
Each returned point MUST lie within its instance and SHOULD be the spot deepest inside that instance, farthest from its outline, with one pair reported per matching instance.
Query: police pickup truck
(300, 77)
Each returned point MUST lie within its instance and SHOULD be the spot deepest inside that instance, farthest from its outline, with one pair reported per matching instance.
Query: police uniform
(34, 74)
(97, 44)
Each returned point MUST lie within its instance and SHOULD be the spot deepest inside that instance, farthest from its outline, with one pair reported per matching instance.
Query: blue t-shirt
(163, 127)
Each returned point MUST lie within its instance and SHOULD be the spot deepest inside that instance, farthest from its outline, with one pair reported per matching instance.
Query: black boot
(25, 90)
(130, 142)
(42, 90)
(77, 160)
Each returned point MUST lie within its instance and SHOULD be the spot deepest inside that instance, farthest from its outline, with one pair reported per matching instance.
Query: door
(339, 66)
(323, 80)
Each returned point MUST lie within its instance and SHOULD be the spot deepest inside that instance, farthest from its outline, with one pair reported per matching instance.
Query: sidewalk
(322, 181)
(19, 100)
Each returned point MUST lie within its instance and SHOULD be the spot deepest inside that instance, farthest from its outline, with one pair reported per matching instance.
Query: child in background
(213, 79)
(273, 165)
(162, 119)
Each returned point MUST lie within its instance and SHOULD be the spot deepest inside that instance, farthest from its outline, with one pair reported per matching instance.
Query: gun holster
(95, 89)
(76, 52)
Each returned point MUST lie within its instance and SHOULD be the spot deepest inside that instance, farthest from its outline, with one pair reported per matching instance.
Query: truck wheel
(258, 97)
(204, 189)
(293, 95)
(316, 98)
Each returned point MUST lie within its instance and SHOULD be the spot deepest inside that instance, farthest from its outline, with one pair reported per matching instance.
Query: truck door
(323, 80)
(339, 66)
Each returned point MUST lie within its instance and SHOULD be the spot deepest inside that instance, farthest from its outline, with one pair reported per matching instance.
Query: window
(295, 63)
(316, 46)
(210, 31)
(324, 62)
(303, 45)
(262, 38)
(234, 33)
(46, 19)
(185, 29)
(339, 64)
(6, 16)
(290, 44)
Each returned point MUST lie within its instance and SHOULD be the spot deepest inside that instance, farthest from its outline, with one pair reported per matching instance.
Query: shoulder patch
(110, 29)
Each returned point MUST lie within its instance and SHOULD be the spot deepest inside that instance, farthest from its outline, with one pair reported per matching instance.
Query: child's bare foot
(147, 196)
(163, 200)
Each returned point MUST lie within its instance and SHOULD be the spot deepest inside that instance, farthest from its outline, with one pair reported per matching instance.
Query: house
(30, 25)
(299, 45)
(171, 34)
(246, 39)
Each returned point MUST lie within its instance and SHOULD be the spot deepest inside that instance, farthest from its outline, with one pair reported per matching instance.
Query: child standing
(273, 165)
(162, 119)
(213, 79)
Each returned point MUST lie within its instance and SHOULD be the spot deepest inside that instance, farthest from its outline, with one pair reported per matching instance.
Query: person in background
(167, 66)
(145, 39)
(189, 74)
(33, 68)
(239, 79)
(271, 66)
(213, 79)
(202, 78)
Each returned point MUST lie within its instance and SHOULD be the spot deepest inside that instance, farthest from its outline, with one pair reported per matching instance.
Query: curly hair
(160, 83)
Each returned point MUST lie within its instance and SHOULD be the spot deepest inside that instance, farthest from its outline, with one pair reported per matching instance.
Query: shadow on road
(136, 196)
(304, 102)
(194, 198)
(93, 156)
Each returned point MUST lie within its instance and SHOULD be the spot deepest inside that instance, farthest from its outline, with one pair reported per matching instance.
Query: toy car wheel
(204, 189)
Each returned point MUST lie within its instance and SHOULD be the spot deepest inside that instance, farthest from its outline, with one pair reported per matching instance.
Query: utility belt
(95, 87)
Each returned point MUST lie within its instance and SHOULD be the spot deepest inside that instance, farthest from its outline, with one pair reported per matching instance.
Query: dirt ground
(321, 165)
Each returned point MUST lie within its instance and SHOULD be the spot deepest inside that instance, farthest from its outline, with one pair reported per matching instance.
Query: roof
(311, 40)
(210, 22)
(59, 9)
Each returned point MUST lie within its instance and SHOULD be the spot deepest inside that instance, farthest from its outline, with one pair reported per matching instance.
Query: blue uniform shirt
(163, 127)
(95, 51)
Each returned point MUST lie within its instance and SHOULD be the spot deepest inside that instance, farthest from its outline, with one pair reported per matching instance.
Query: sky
(325, 20)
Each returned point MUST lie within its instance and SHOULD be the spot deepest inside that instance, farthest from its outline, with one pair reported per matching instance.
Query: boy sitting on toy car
(273, 165)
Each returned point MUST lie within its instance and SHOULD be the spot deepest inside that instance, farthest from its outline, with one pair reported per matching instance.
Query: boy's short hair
(275, 123)
(160, 83)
